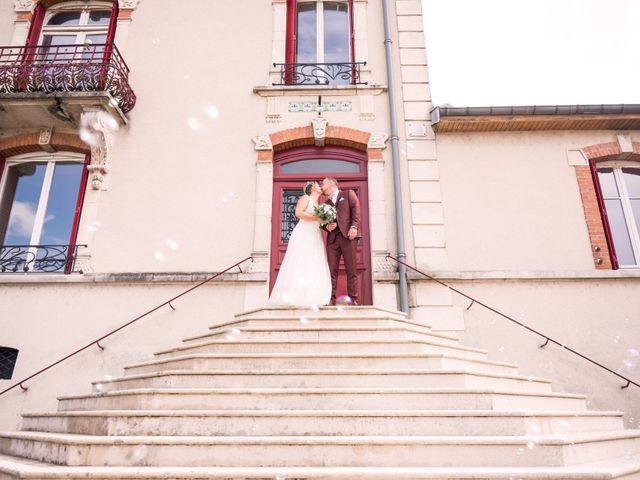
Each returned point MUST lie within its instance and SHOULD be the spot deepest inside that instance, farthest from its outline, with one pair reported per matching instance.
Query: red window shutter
(352, 33)
(76, 214)
(113, 22)
(292, 31)
(603, 214)
(36, 25)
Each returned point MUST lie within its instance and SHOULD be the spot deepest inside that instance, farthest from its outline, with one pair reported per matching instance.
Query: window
(64, 30)
(320, 42)
(8, 359)
(620, 188)
(40, 200)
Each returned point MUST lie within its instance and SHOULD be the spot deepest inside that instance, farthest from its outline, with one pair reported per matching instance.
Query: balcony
(319, 74)
(39, 259)
(52, 85)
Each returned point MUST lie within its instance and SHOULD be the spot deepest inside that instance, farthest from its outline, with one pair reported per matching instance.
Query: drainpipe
(402, 271)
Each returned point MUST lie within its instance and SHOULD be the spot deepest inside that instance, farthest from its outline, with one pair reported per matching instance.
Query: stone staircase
(358, 392)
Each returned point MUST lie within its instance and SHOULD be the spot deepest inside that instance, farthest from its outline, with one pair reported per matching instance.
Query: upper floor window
(323, 32)
(40, 203)
(621, 194)
(86, 27)
(320, 43)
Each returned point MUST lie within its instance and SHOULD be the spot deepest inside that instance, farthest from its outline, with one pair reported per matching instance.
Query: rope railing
(139, 317)
(504, 315)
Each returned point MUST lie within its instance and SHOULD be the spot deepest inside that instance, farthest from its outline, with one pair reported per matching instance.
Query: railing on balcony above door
(66, 68)
(347, 73)
(39, 258)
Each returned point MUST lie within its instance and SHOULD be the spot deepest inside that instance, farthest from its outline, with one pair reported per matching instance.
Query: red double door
(292, 168)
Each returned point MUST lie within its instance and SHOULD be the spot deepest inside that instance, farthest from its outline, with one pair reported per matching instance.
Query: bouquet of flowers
(327, 213)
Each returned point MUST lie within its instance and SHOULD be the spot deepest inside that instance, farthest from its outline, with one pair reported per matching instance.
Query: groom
(343, 236)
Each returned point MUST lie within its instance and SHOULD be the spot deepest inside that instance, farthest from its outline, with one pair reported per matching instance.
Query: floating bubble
(631, 358)
(94, 226)
(520, 451)
(228, 197)
(139, 454)
(212, 111)
(344, 301)
(93, 125)
(501, 349)
(98, 387)
(616, 339)
(233, 334)
(156, 41)
(531, 444)
(165, 250)
(194, 123)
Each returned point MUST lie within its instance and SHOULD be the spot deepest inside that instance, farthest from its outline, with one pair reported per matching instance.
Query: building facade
(145, 146)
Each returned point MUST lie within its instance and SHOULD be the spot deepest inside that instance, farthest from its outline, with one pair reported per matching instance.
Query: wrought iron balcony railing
(39, 258)
(66, 68)
(320, 73)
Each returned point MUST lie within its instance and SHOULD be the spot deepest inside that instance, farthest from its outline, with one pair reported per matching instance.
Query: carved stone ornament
(99, 127)
(128, 4)
(44, 140)
(319, 125)
(263, 142)
(23, 5)
(378, 140)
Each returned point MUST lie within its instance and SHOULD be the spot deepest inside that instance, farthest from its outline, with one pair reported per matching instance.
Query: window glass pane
(620, 233)
(93, 49)
(97, 17)
(288, 219)
(608, 183)
(320, 165)
(336, 32)
(306, 48)
(56, 53)
(632, 181)
(65, 18)
(25, 202)
(635, 207)
(61, 206)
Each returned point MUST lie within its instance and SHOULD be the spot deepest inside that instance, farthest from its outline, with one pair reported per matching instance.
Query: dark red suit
(338, 243)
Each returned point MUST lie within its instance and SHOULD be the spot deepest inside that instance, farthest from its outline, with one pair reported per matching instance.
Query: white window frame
(51, 159)
(320, 27)
(79, 31)
(632, 228)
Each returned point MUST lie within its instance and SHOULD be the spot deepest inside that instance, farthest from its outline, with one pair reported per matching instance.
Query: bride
(304, 278)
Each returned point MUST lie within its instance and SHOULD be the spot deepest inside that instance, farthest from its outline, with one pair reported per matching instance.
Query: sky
(533, 52)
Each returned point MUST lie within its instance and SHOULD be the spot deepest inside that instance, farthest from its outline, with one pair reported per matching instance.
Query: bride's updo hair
(308, 186)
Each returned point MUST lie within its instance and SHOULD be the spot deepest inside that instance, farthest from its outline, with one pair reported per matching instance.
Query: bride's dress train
(304, 278)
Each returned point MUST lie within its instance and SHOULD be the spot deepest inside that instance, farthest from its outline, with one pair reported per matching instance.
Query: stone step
(623, 468)
(370, 322)
(323, 399)
(323, 346)
(324, 378)
(321, 423)
(316, 451)
(626, 468)
(314, 361)
(337, 311)
(309, 331)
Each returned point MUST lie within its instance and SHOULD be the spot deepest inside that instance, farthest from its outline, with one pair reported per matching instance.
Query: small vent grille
(8, 358)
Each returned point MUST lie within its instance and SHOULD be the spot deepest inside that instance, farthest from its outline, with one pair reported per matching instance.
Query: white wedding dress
(304, 278)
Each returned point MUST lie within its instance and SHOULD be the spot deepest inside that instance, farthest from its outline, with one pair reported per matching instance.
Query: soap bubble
(138, 455)
(193, 122)
(94, 226)
(228, 197)
(344, 301)
(616, 339)
(156, 41)
(165, 250)
(233, 334)
(631, 358)
(201, 117)
(93, 125)
(520, 451)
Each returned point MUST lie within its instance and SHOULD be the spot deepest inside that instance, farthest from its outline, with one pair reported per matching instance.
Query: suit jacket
(348, 214)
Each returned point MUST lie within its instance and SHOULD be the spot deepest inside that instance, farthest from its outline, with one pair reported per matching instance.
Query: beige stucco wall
(50, 320)
(596, 317)
(511, 200)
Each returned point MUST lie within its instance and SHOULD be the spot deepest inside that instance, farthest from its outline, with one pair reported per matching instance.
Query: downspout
(402, 271)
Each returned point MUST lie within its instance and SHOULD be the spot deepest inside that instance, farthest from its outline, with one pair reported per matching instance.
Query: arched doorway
(291, 169)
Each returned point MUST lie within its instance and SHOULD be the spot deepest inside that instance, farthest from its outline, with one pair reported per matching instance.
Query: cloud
(23, 215)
